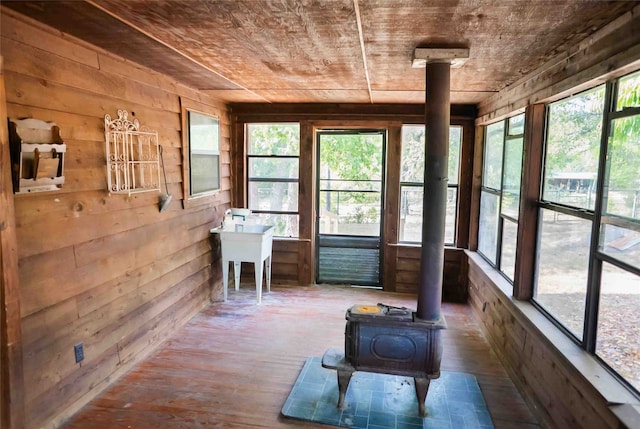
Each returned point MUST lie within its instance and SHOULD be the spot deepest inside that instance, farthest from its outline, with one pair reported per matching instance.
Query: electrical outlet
(78, 350)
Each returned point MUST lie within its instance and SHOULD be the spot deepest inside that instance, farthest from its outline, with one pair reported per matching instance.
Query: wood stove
(388, 340)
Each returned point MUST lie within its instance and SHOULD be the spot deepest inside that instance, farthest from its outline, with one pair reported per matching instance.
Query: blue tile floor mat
(381, 401)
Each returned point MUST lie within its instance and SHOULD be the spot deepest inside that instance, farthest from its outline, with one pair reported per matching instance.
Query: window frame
(597, 257)
(190, 199)
(249, 179)
(420, 185)
(507, 136)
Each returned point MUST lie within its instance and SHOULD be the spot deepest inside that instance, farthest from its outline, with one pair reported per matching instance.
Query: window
(411, 183)
(617, 339)
(588, 267)
(204, 153)
(500, 193)
(572, 148)
(273, 152)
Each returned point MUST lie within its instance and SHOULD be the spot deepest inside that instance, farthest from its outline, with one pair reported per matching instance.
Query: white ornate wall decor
(132, 156)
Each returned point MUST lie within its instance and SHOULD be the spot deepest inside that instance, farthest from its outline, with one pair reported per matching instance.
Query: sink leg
(225, 278)
(237, 268)
(268, 272)
(258, 270)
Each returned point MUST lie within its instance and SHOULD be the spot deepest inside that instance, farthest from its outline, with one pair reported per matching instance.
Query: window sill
(199, 199)
(623, 403)
(296, 239)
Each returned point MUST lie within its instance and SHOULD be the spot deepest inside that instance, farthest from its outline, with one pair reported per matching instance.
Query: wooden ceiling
(339, 51)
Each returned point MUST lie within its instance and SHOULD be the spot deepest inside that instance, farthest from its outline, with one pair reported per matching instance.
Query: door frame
(384, 133)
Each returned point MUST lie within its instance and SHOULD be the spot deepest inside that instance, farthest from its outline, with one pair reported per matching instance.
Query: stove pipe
(437, 115)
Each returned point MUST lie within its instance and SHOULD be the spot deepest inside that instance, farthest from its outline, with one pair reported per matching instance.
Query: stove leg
(344, 377)
(422, 387)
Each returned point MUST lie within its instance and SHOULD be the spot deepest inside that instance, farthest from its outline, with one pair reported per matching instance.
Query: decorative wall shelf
(37, 155)
(132, 156)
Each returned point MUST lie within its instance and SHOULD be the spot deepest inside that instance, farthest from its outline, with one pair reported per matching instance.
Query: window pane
(516, 125)
(455, 142)
(572, 149)
(273, 139)
(620, 243)
(508, 251)
(563, 261)
(512, 177)
(450, 216)
(204, 134)
(488, 233)
(629, 91)
(492, 164)
(204, 153)
(410, 229)
(273, 196)
(623, 169)
(273, 168)
(349, 213)
(205, 175)
(618, 337)
(412, 164)
(411, 214)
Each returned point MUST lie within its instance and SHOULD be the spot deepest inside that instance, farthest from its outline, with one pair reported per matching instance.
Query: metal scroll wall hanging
(132, 156)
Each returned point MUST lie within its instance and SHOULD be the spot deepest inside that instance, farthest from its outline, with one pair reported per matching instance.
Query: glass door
(349, 202)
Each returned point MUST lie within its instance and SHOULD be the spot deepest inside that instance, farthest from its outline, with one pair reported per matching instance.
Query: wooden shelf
(37, 155)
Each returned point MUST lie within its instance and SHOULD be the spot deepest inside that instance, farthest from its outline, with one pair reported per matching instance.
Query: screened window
(204, 153)
(412, 179)
(500, 193)
(572, 149)
(574, 133)
(618, 329)
(588, 268)
(273, 152)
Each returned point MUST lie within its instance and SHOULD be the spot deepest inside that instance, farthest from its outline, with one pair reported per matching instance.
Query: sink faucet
(228, 217)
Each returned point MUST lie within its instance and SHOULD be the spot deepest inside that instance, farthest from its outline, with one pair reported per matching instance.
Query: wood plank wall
(454, 279)
(401, 262)
(109, 271)
(11, 371)
(562, 397)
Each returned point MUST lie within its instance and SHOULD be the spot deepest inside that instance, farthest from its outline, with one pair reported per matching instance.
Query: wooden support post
(11, 372)
(529, 194)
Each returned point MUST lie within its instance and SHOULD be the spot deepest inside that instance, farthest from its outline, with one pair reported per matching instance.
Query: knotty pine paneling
(109, 271)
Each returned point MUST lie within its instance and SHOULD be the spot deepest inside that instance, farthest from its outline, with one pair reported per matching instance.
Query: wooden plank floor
(233, 365)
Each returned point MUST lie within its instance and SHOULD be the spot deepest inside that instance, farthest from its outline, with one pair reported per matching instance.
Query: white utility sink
(246, 243)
